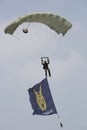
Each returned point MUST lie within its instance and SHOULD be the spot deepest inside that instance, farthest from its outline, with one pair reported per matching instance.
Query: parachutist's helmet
(25, 30)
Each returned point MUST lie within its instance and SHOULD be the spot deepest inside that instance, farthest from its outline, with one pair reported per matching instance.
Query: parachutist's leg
(49, 72)
(45, 72)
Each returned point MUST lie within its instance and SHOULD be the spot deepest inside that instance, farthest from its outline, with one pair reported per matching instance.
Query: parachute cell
(54, 22)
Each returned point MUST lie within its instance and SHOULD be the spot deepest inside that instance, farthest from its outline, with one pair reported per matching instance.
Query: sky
(20, 66)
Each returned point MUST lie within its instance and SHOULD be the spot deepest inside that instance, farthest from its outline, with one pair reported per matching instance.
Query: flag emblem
(41, 99)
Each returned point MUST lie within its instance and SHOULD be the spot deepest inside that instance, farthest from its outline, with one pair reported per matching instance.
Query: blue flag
(41, 99)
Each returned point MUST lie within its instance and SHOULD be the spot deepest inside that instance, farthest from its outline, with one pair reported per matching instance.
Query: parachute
(53, 21)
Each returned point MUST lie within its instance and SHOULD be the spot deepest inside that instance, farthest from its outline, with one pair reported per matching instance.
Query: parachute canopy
(53, 21)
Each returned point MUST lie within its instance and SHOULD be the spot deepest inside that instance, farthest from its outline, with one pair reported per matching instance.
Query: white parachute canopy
(53, 21)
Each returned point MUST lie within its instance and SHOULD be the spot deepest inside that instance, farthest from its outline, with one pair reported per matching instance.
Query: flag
(41, 99)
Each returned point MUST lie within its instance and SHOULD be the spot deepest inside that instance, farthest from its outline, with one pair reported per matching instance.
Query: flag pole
(46, 68)
(59, 119)
(58, 114)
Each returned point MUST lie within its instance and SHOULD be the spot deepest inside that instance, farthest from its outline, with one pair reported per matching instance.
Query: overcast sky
(20, 66)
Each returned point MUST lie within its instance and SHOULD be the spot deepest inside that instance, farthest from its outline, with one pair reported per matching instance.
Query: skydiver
(45, 66)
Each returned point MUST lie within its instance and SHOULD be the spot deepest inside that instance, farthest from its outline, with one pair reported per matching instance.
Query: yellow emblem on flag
(40, 99)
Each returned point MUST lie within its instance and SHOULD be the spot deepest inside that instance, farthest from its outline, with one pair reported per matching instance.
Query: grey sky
(20, 66)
